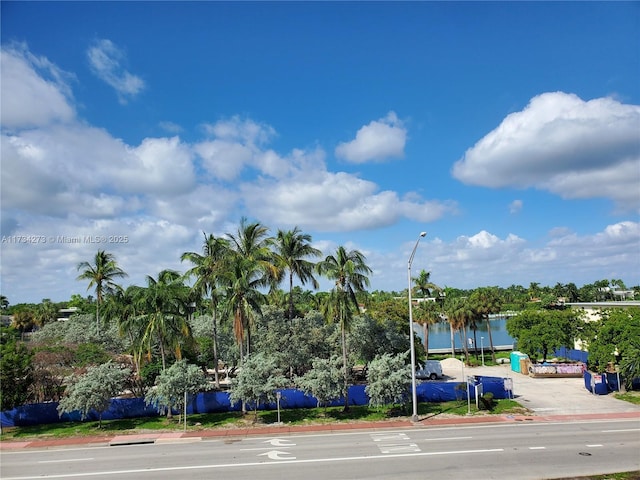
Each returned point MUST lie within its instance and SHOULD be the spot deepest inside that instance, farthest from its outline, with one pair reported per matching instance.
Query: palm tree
(349, 271)
(208, 268)
(459, 313)
(243, 280)
(122, 308)
(45, 312)
(424, 285)
(101, 274)
(293, 248)
(485, 301)
(251, 265)
(163, 304)
(427, 314)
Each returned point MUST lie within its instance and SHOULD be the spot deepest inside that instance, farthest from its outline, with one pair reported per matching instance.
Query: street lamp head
(423, 234)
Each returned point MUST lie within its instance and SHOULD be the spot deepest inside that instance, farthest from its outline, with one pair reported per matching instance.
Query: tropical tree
(388, 380)
(539, 332)
(174, 385)
(208, 269)
(93, 390)
(4, 303)
(45, 312)
(459, 313)
(293, 248)
(101, 274)
(427, 314)
(348, 270)
(251, 265)
(258, 381)
(424, 285)
(485, 301)
(163, 309)
(122, 308)
(323, 381)
(16, 369)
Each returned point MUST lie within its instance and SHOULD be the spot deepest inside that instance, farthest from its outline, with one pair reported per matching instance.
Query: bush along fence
(219, 402)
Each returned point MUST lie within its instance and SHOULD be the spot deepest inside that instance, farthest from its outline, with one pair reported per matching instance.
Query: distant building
(65, 313)
(593, 310)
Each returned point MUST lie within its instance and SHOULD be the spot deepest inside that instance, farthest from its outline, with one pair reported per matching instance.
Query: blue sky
(508, 131)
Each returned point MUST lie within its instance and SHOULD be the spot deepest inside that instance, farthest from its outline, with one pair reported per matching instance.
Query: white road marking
(594, 445)
(68, 460)
(278, 442)
(537, 448)
(256, 464)
(277, 455)
(404, 447)
(383, 437)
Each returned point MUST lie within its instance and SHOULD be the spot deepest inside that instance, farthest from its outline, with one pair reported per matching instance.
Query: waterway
(440, 335)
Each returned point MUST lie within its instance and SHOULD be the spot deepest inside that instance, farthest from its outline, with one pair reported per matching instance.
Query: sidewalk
(283, 430)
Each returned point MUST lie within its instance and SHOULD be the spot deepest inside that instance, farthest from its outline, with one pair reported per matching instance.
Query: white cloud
(105, 60)
(317, 199)
(515, 206)
(224, 159)
(28, 98)
(244, 131)
(238, 144)
(563, 144)
(380, 140)
(162, 166)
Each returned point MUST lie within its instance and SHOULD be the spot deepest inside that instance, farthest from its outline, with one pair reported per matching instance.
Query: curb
(199, 435)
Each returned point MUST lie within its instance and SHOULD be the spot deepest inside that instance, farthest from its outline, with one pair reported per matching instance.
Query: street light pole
(414, 391)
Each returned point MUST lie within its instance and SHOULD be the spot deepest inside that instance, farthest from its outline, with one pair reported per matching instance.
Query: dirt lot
(544, 396)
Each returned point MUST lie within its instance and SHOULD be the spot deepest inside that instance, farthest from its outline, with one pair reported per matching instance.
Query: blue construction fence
(219, 402)
(572, 354)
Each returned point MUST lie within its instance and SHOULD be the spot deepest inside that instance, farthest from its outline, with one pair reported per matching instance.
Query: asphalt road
(523, 451)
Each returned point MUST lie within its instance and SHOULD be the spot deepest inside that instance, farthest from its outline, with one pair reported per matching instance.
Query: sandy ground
(546, 396)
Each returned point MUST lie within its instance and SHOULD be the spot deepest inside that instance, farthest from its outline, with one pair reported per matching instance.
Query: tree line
(228, 309)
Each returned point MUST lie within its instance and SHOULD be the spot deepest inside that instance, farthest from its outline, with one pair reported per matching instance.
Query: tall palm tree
(122, 308)
(459, 313)
(101, 274)
(208, 268)
(485, 301)
(427, 314)
(251, 265)
(293, 248)
(243, 298)
(163, 304)
(349, 271)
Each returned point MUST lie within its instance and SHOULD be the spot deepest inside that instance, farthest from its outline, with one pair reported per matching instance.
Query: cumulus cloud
(34, 91)
(379, 140)
(565, 145)
(314, 198)
(106, 62)
(238, 143)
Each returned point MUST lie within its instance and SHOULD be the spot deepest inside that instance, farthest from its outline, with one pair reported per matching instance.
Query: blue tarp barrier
(212, 402)
(572, 354)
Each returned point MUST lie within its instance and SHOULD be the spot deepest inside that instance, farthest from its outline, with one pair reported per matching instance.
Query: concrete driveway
(545, 396)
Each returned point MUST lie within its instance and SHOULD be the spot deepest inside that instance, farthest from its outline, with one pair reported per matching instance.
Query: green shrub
(486, 402)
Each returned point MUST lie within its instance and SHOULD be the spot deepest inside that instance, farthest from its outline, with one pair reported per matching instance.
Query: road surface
(497, 451)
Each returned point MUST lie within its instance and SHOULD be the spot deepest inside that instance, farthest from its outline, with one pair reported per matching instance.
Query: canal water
(440, 336)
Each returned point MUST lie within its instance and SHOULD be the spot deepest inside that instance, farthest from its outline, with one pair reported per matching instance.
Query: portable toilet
(515, 358)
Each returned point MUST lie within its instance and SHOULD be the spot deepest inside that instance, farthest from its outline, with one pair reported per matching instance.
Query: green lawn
(205, 421)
